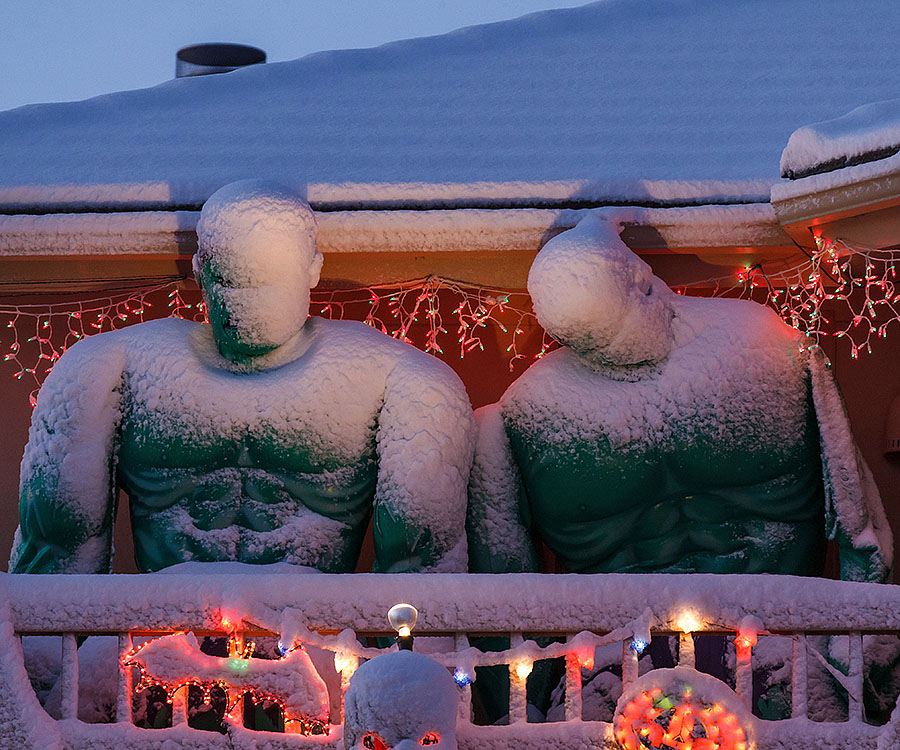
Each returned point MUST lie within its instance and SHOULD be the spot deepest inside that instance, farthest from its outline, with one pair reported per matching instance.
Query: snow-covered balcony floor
(329, 611)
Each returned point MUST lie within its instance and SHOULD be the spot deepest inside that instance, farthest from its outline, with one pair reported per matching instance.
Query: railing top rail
(447, 603)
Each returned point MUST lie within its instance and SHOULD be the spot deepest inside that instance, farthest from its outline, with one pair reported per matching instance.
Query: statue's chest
(600, 445)
(181, 415)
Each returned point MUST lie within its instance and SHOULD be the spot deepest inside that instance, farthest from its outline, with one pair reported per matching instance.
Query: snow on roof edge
(150, 196)
(865, 134)
(843, 178)
(155, 232)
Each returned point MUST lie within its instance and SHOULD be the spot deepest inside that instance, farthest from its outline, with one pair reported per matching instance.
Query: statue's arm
(424, 441)
(499, 539)
(854, 514)
(66, 486)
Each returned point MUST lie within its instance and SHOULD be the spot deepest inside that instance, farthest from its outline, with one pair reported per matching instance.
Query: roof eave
(492, 247)
(860, 205)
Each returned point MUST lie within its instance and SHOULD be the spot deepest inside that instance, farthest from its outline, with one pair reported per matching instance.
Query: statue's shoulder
(358, 341)
(554, 379)
(741, 323)
(152, 335)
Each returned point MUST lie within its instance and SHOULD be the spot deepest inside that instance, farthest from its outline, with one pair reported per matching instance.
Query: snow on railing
(582, 611)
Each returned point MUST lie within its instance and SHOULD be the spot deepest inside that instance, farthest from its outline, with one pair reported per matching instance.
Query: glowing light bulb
(688, 621)
(523, 669)
(403, 618)
(585, 658)
(462, 677)
(345, 662)
(638, 644)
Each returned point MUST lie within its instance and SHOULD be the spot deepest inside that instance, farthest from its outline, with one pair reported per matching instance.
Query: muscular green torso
(267, 467)
(693, 507)
(285, 464)
(246, 505)
(675, 472)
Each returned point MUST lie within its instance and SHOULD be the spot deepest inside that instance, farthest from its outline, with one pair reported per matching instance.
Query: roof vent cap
(215, 57)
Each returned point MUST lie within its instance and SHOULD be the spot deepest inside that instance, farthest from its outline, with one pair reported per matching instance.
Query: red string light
(305, 725)
(860, 282)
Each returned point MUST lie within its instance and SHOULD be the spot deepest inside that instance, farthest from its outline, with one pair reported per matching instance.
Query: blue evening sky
(62, 50)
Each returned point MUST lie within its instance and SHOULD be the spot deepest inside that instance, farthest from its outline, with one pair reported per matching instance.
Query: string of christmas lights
(411, 311)
(236, 664)
(848, 281)
(39, 334)
(851, 282)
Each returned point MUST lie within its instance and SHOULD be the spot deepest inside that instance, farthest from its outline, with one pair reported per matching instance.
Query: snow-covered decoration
(868, 133)
(681, 84)
(175, 662)
(705, 409)
(263, 437)
(401, 700)
(683, 709)
(313, 606)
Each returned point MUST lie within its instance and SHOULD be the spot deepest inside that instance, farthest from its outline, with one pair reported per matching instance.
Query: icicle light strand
(857, 283)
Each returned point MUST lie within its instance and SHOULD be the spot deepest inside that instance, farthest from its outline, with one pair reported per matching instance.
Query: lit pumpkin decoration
(681, 709)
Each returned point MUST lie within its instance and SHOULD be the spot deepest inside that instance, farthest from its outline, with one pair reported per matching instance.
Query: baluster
(686, 650)
(573, 685)
(856, 710)
(630, 658)
(180, 706)
(799, 667)
(345, 663)
(743, 675)
(518, 710)
(68, 678)
(123, 696)
(461, 643)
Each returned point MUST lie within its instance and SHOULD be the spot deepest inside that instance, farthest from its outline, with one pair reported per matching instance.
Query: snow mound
(868, 133)
(401, 697)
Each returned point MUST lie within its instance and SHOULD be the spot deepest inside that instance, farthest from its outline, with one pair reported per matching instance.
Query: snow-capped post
(68, 678)
(856, 707)
(688, 623)
(744, 642)
(573, 683)
(125, 686)
(799, 692)
(346, 663)
(631, 651)
(403, 619)
(464, 676)
(518, 679)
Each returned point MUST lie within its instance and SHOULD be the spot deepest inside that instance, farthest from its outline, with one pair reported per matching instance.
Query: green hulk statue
(266, 436)
(668, 434)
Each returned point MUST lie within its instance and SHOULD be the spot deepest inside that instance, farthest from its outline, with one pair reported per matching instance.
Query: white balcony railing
(330, 611)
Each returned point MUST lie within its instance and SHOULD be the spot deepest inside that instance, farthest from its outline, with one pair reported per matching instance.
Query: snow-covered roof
(637, 101)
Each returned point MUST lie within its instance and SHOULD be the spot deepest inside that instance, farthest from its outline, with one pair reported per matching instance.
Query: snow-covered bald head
(256, 262)
(594, 295)
(402, 700)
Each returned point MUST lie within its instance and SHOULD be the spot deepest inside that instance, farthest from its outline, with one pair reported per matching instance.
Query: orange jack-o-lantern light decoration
(678, 720)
